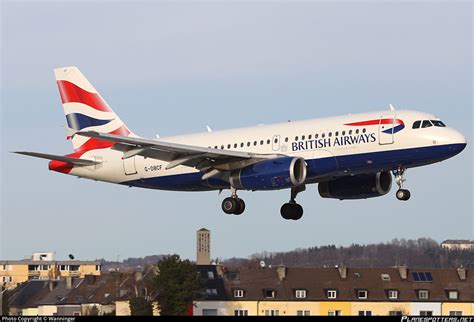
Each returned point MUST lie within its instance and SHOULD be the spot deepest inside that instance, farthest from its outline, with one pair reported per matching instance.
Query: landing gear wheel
(241, 207)
(403, 194)
(291, 211)
(230, 205)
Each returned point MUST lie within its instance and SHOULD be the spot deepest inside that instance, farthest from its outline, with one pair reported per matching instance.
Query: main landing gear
(233, 205)
(292, 210)
(402, 194)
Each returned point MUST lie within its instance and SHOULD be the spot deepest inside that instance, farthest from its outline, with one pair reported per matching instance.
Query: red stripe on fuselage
(376, 122)
(71, 93)
(91, 144)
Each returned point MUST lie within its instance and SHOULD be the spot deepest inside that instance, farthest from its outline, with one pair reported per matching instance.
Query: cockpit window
(426, 123)
(417, 124)
(438, 123)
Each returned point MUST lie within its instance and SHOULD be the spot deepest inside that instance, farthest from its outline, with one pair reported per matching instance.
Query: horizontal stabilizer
(75, 161)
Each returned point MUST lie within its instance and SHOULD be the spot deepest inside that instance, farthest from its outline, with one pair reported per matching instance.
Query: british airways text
(331, 142)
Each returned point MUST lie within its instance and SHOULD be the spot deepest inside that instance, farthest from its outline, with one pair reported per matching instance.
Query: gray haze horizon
(171, 68)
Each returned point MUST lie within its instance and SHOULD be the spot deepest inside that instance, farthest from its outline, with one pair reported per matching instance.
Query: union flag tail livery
(86, 110)
(349, 157)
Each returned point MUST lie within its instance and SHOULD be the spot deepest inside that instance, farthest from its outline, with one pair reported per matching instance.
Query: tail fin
(86, 110)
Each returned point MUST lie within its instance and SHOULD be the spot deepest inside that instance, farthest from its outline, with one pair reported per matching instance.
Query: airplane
(349, 157)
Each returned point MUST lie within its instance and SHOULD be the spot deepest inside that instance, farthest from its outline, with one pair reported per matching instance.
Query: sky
(175, 67)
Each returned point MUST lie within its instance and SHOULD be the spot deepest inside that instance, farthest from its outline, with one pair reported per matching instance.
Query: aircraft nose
(457, 141)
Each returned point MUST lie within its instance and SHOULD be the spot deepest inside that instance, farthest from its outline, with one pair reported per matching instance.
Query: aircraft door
(276, 142)
(129, 166)
(386, 127)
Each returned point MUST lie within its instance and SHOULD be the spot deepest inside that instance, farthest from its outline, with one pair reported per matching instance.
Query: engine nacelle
(284, 172)
(361, 186)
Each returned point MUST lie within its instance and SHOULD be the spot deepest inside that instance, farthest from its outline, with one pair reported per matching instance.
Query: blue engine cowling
(278, 173)
(361, 186)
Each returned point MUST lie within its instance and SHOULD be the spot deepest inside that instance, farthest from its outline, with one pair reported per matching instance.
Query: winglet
(391, 107)
(208, 128)
(69, 132)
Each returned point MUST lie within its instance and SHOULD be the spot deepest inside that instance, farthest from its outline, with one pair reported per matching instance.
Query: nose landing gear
(402, 194)
(291, 210)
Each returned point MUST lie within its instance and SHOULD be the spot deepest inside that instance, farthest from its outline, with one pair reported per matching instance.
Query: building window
(241, 312)
(331, 294)
(210, 275)
(97, 268)
(300, 294)
(7, 279)
(453, 295)
(395, 313)
(238, 293)
(455, 313)
(334, 312)
(209, 312)
(362, 294)
(423, 294)
(44, 267)
(211, 292)
(269, 294)
(422, 276)
(426, 313)
(3, 268)
(392, 294)
(385, 277)
(272, 312)
(365, 313)
(63, 268)
(303, 313)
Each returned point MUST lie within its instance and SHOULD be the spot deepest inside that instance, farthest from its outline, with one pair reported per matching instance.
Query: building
(203, 256)
(339, 291)
(107, 294)
(43, 266)
(458, 244)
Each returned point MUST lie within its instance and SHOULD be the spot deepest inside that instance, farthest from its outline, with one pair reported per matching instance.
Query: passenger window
(254, 142)
(337, 133)
(330, 134)
(248, 143)
(235, 145)
(302, 138)
(268, 141)
(417, 124)
(357, 131)
(276, 140)
(323, 135)
(426, 123)
(364, 130)
(228, 146)
(343, 133)
(309, 137)
(296, 138)
(286, 139)
(222, 147)
(350, 132)
(438, 123)
(316, 136)
(215, 147)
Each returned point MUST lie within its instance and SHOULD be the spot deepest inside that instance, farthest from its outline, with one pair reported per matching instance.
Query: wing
(212, 161)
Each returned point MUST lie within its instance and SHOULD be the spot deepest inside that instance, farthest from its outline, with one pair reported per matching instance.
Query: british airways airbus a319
(350, 157)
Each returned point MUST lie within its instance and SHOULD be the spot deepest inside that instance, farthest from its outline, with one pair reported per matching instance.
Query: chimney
(342, 271)
(138, 276)
(403, 271)
(69, 282)
(461, 273)
(281, 271)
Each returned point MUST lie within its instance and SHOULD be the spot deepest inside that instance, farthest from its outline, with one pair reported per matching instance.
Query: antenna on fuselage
(391, 107)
